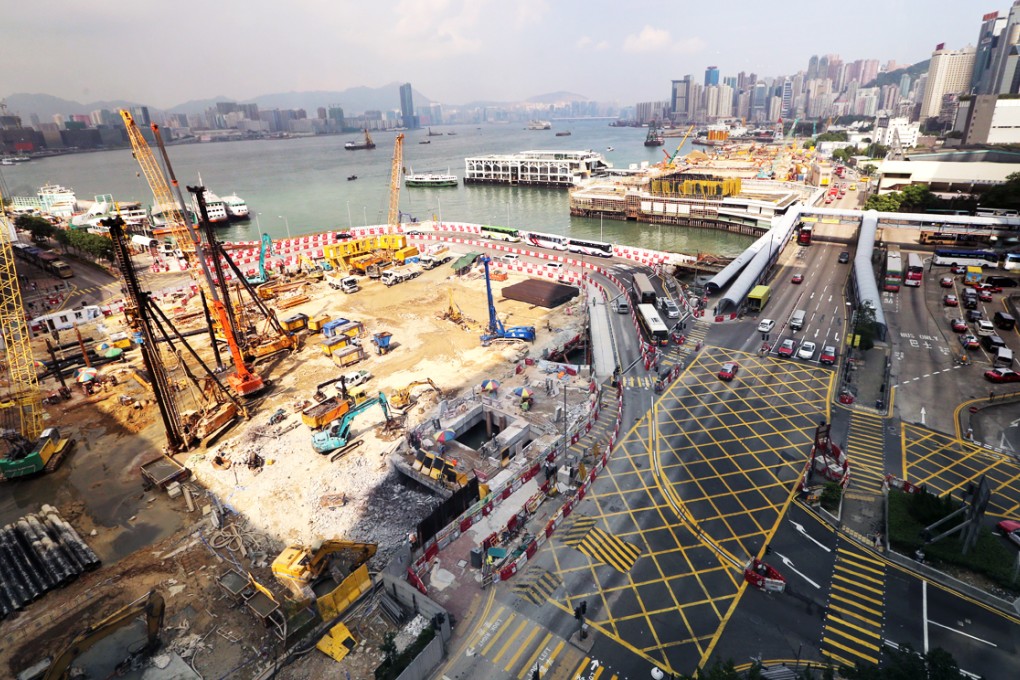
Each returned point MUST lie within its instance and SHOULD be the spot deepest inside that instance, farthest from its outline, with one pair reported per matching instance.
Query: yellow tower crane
(398, 162)
(20, 401)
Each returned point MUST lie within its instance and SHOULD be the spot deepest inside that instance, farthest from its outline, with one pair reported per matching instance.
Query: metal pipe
(87, 556)
(36, 582)
(12, 582)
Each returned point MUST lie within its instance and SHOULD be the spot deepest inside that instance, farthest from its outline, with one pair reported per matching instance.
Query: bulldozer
(403, 399)
(300, 569)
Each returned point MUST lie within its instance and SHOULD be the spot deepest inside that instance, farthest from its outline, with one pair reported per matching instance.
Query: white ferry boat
(214, 206)
(237, 208)
(540, 125)
(51, 199)
(535, 168)
(430, 179)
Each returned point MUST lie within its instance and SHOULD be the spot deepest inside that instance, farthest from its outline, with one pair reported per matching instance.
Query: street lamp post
(286, 222)
(258, 224)
(508, 212)
(350, 222)
(440, 203)
(364, 212)
(602, 236)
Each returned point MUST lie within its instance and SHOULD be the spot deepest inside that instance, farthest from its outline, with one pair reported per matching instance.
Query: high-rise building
(787, 98)
(905, 85)
(679, 99)
(989, 36)
(812, 67)
(869, 71)
(1005, 54)
(948, 73)
(407, 107)
(712, 75)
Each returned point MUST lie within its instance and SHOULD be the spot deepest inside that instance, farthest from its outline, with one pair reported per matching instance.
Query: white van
(621, 306)
(797, 320)
(511, 258)
(1003, 358)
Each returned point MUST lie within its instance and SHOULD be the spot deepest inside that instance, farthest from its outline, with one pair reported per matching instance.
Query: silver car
(807, 350)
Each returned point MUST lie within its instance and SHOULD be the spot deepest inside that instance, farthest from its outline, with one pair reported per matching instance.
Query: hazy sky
(164, 53)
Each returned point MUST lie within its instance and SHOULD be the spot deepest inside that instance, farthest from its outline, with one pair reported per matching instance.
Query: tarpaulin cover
(546, 294)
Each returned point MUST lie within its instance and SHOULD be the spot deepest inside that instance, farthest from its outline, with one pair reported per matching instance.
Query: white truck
(433, 261)
(392, 277)
(347, 284)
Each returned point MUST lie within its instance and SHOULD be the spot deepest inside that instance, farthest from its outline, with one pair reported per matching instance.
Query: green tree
(1005, 195)
(40, 228)
(884, 202)
(868, 169)
(830, 137)
(917, 198)
(866, 327)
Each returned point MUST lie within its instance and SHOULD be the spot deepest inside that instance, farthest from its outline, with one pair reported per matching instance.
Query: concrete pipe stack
(39, 552)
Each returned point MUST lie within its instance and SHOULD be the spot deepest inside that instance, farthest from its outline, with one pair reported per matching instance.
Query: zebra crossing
(866, 449)
(600, 545)
(536, 586)
(855, 612)
(515, 647)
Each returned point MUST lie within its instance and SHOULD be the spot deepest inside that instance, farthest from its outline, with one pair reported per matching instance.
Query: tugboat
(425, 141)
(351, 178)
(654, 137)
(563, 133)
(367, 144)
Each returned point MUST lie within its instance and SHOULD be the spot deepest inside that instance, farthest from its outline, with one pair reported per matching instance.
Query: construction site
(210, 477)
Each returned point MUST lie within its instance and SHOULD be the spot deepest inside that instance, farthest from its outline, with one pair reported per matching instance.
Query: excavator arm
(152, 605)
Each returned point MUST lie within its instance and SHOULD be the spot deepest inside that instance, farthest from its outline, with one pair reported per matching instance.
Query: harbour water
(300, 185)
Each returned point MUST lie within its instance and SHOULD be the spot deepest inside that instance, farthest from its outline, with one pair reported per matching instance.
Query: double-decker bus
(651, 323)
(644, 293)
(914, 271)
(893, 270)
(43, 259)
(804, 234)
(1012, 261)
(596, 248)
(949, 257)
(547, 240)
(949, 237)
(501, 233)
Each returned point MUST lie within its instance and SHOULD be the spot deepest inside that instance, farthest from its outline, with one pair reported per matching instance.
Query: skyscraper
(988, 40)
(407, 107)
(812, 67)
(711, 76)
(948, 73)
(1004, 55)
(679, 99)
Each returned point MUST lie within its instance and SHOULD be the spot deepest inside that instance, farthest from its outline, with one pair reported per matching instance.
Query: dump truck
(347, 284)
(392, 277)
(435, 260)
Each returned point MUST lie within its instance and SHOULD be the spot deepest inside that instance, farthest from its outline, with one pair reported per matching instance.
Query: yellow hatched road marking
(855, 615)
(866, 657)
(855, 603)
(584, 664)
(496, 634)
(606, 547)
(520, 649)
(478, 634)
(533, 659)
(552, 657)
(837, 657)
(510, 640)
(843, 622)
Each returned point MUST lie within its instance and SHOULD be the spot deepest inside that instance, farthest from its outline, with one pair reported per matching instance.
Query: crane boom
(22, 395)
(179, 224)
(398, 162)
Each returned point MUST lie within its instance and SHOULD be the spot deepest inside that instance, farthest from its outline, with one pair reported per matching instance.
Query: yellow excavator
(152, 605)
(301, 568)
(402, 399)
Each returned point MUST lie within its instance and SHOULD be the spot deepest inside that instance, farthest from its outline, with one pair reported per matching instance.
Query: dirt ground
(296, 496)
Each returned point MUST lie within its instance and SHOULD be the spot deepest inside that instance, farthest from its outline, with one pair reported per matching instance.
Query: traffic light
(577, 613)
(768, 550)
(534, 674)
(584, 607)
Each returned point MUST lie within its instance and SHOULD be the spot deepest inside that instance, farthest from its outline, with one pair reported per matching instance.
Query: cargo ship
(355, 146)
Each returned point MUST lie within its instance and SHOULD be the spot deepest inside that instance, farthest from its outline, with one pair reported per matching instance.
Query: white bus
(547, 240)
(651, 323)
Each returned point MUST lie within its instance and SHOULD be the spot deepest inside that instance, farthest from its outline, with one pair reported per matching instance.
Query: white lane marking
(800, 527)
(924, 612)
(960, 632)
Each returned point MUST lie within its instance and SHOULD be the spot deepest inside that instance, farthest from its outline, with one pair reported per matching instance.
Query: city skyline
(452, 51)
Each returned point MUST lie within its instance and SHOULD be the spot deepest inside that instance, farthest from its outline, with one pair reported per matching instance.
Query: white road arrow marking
(801, 529)
(922, 415)
(789, 565)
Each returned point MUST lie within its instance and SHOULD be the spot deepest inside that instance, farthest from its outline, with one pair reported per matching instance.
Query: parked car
(344, 235)
(844, 257)
(959, 269)
(958, 325)
(1002, 375)
(766, 325)
(807, 350)
(797, 278)
(728, 371)
(985, 295)
(787, 348)
(947, 281)
(990, 287)
(828, 355)
(1010, 529)
(970, 341)
(950, 301)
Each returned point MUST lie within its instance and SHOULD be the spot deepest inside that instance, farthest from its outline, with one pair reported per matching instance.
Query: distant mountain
(354, 100)
(46, 106)
(556, 98)
(893, 77)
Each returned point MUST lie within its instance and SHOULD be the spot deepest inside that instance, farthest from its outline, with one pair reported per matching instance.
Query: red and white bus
(804, 234)
(914, 271)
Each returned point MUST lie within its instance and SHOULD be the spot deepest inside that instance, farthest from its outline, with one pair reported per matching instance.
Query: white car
(766, 325)
(355, 378)
(669, 307)
(807, 350)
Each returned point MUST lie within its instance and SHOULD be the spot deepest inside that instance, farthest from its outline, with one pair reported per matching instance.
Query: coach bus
(547, 240)
(501, 233)
(644, 292)
(596, 248)
(914, 271)
(655, 330)
(948, 257)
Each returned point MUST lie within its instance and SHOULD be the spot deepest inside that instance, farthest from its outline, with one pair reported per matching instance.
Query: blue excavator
(266, 249)
(496, 331)
(334, 437)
